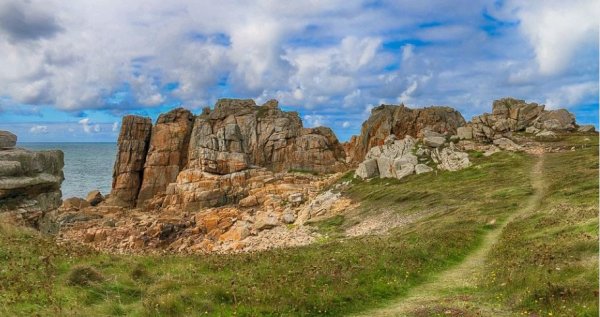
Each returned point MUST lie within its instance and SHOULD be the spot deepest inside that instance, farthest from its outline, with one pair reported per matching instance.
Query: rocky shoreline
(242, 177)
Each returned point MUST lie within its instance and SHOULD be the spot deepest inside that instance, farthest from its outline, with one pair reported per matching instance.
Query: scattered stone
(94, 197)
(249, 201)
(265, 221)
(546, 136)
(75, 203)
(532, 130)
(507, 144)
(451, 160)
(288, 217)
(422, 168)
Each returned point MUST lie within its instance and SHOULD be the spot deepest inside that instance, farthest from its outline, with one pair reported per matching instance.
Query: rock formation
(168, 151)
(401, 121)
(400, 158)
(238, 134)
(512, 115)
(199, 159)
(131, 156)
(29, 181)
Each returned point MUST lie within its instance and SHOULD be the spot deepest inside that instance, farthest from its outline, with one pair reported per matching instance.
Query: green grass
(547, 262)
(332, 278)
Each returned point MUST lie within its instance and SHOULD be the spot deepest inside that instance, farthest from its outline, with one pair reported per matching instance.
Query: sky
(69, 70)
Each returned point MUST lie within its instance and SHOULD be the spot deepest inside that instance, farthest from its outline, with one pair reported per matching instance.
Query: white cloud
(115, 126)
(314, 120)
(407, 52)
(557, 29)
(87, 126)
(345, 124)
(571, 95)
(333, 57)
(39, 129)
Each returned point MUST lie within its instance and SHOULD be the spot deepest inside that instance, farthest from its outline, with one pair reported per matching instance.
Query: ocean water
(88, 166)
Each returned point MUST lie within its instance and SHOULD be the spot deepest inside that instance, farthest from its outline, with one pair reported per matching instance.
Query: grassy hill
(544, 262)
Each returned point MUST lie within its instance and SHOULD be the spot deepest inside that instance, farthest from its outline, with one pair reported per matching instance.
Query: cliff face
(131, 156)
(167, 153)
(29, 181)
(401, 121)
(237, 136)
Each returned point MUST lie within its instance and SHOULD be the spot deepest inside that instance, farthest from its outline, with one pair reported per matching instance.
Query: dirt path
(452, 287)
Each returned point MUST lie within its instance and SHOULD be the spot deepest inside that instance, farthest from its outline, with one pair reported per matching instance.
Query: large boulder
(556, 120)
(7, 140)
(367, 169)
(128, 171)
(450, 159)
(401, 121)
(94, 197)
(30, 182)
(167, 152)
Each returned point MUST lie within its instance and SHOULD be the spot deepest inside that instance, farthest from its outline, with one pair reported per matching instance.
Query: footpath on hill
(451, 287)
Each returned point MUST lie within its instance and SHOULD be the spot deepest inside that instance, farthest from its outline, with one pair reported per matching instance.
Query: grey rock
(450, 159)
(422, 168)
(265, 221)
(7, 139)
(532, 130)
(288, 217)
(464, 133)
(586, 128)
(507, 144)
(403, 169)
(434, 141)
(367, 169)
(546, 136)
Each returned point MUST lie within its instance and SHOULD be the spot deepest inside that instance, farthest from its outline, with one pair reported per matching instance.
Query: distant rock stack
(29, 181)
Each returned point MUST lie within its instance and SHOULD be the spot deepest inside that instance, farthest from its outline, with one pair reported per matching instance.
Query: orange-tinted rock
(167, 154)
(238, 134)
(131, 156)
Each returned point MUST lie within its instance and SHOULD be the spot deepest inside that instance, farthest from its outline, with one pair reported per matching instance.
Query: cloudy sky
(70, 69)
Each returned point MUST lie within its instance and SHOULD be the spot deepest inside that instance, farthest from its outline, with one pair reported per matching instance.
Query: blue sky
(70, 70)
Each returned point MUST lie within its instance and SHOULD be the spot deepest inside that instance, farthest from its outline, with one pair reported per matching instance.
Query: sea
(88, 166)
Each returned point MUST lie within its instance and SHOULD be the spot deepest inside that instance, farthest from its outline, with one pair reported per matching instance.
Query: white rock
(367, 169)
(422, 168)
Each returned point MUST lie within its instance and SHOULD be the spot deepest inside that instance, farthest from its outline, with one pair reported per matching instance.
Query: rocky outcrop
(400, 158)
(238, 134)
(132, 149)
(167, 153)
(512, 115)
(29, 181)
(401, 121)
(198, 159)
